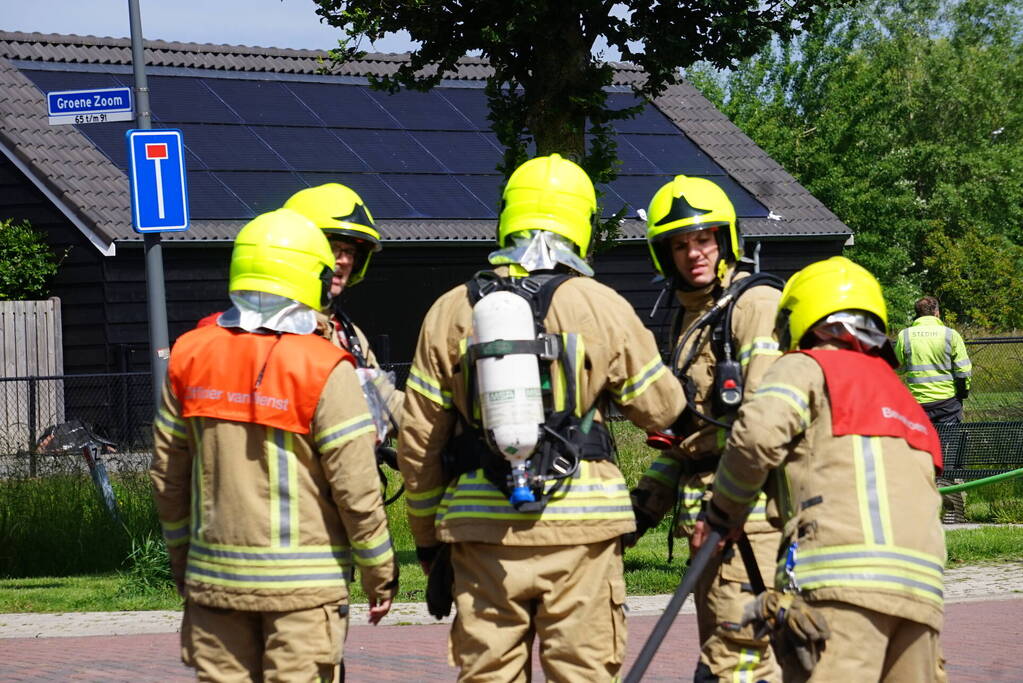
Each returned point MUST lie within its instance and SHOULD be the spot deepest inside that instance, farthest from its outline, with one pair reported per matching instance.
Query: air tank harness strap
(467, 452)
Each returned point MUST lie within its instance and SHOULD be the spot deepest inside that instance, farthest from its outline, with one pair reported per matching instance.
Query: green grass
(984, 545)
(1000, 503)
(59, 551)
(103, 592)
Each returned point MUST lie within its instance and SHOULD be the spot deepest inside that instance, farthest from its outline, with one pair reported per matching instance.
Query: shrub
(27, 264)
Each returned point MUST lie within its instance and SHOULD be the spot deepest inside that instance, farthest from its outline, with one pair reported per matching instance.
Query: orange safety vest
(269, 379)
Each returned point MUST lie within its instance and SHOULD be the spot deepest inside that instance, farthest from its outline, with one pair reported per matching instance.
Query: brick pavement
(982, 642)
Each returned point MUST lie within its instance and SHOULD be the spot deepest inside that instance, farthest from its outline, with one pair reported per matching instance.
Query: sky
(266, 23)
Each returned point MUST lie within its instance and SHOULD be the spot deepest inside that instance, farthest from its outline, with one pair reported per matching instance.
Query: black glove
(387, 456)
(440, 583)
(797, 630)
(644, 523)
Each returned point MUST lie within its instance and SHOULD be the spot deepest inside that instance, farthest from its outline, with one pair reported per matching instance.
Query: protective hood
(858, 330)
(253, 311)
(540, 250)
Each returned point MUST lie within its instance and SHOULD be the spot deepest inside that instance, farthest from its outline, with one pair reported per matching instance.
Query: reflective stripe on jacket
(613, 358)
(262, 518)
(863, 509)
(932, 357)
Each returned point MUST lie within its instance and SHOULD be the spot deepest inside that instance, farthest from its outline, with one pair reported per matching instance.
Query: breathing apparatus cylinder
(511, 401)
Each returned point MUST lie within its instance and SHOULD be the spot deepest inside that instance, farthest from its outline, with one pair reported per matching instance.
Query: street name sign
(89, 106)
(156, 171)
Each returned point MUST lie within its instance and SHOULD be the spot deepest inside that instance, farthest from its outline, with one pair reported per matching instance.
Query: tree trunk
(562, 62)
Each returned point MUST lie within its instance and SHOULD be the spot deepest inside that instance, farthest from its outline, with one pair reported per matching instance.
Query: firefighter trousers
(570, 597)
(870, 646)
(728, 653)
(230, 646)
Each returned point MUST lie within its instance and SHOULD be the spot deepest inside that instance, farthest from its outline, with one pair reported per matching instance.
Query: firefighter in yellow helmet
(342, 215)
(264, 473)
(863, 550)
(512, 484)
(724, 345)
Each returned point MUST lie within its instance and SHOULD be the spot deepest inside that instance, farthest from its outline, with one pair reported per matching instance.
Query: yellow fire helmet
(282, 252)
(688, 204)
(822, 288)
(339, 211)
(549, 193)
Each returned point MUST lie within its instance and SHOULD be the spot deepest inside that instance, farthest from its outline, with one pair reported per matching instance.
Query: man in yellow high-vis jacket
(934, 364)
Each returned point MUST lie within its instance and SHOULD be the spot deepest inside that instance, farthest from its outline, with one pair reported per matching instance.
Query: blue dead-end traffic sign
(156, 170)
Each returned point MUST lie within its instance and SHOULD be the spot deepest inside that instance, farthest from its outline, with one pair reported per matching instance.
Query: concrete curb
(965, 584)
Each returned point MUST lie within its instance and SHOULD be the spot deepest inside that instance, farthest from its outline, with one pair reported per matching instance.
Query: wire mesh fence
(48, 420)
(48, 416)
(996, 393)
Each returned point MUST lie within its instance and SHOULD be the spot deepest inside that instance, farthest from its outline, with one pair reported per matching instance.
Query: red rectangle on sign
(156, 150)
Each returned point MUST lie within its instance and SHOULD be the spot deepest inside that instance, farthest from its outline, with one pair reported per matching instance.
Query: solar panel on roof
(109, 139)
(436, 196)
(487, 190)
(632, 162)
(673, 154)
(461, 152)
(186, 100)
(261, 192)
(50, 81)
(209, 199)
(471, 102)
(230, 148)
(383, 203)
(310, 149)
(343, 106)
(389, 150)
(421, 110)
(636, 190)
(650, 120)
(609, 201)
(262, 102)
(745, 203)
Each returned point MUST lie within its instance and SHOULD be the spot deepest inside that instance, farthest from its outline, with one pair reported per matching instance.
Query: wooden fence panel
(30, 346)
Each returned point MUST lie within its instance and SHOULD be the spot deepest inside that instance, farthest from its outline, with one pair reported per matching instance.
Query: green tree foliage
(905, 119)
(26, 263)
(548, 86)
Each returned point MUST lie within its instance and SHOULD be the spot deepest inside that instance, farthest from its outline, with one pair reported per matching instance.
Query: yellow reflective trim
(748, 659)
(174, 526)
(636, 385)
(892, 565)
(195, 425)
(424, 495)
(810, 584)
(273, 488)
(580, 359)
(270, 550)
(426, 386)
(869, 548)
(171, 424)
(882, 489)
(295, 495)
(791, 395)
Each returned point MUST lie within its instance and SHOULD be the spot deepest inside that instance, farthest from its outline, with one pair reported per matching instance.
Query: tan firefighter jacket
(614, 359)
(264, 519)
(756, 348)
(864, 510)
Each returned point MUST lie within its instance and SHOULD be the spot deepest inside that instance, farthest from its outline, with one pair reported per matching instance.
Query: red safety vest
(867, 398)
(269, 379)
